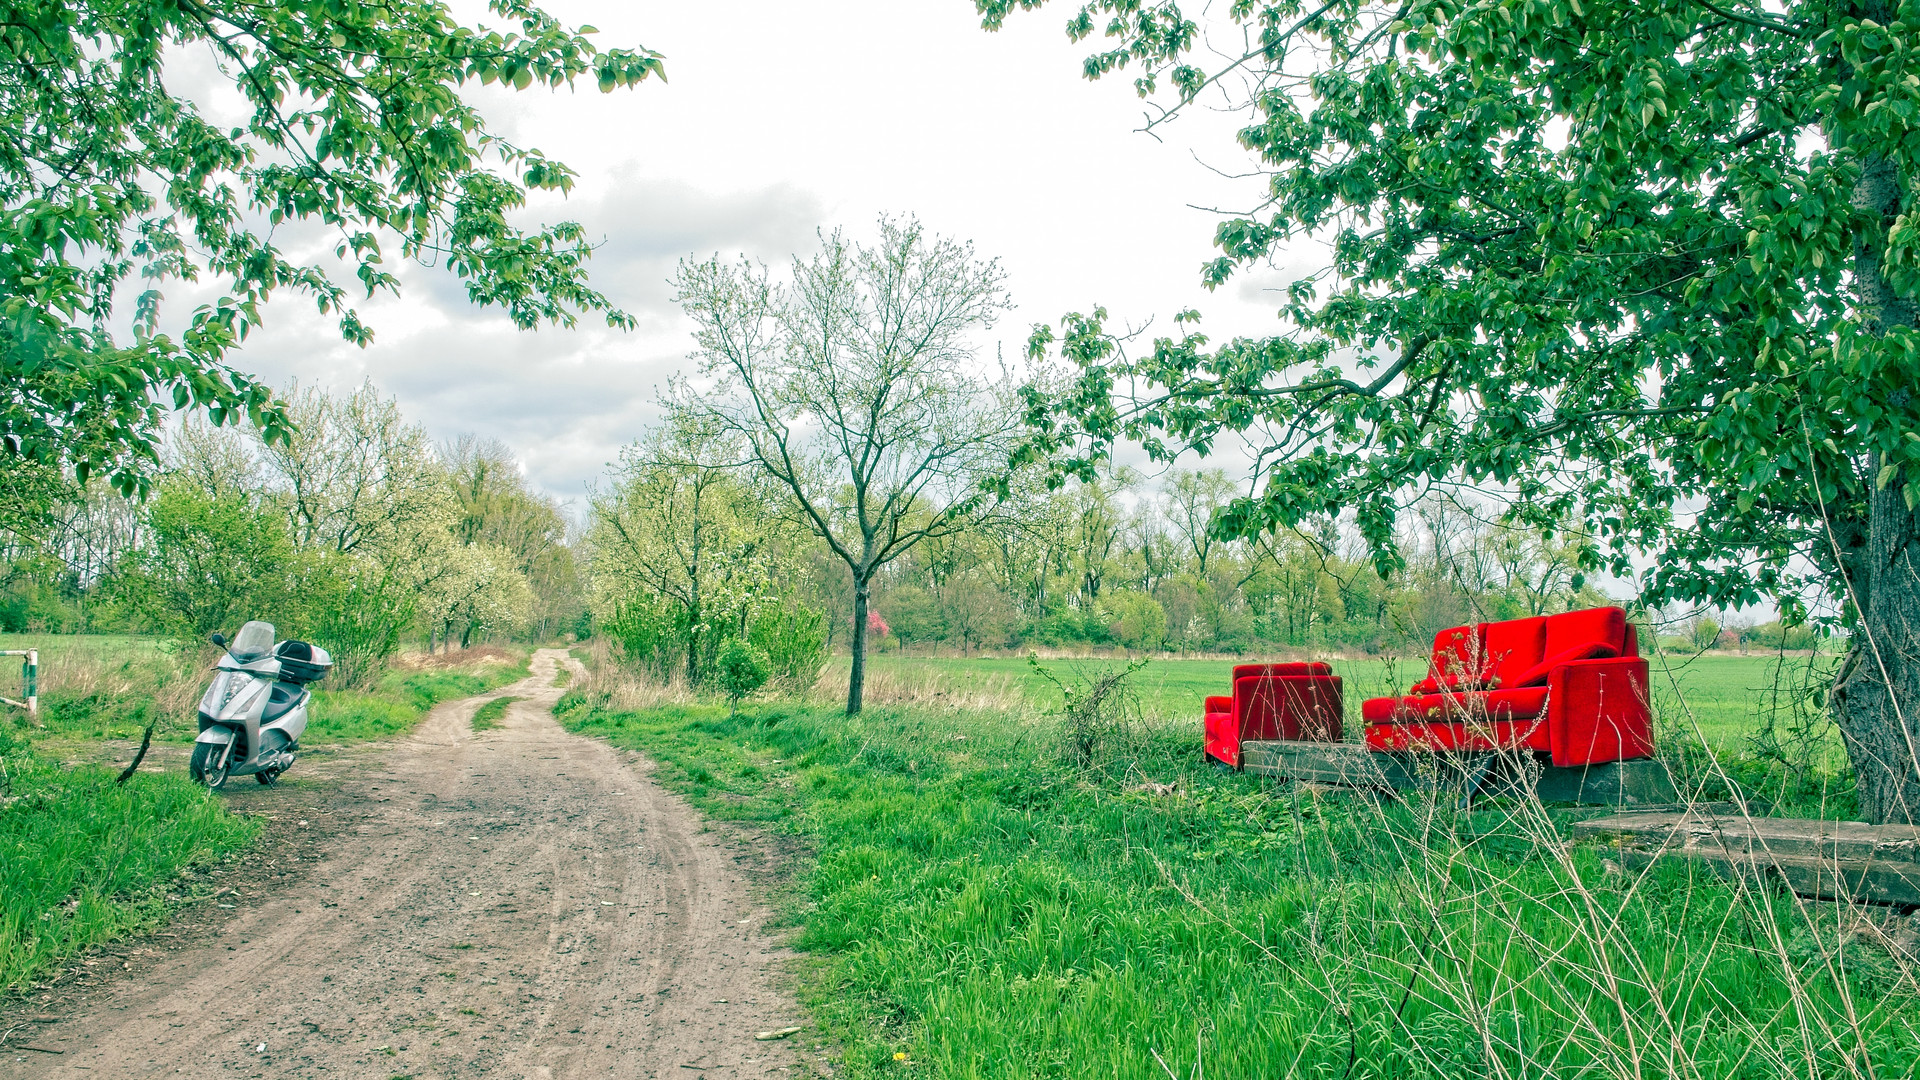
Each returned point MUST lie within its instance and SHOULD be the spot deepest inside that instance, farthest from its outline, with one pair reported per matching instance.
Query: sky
(780, 118)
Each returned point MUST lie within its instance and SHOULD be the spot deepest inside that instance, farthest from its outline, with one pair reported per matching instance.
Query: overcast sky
(782, 117)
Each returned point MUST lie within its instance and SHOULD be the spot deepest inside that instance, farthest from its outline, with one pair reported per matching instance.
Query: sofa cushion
(1452, 684)
(1442, 735)
(1537, 674)
(1509, 648)
(1456, 654)
(1519, 703)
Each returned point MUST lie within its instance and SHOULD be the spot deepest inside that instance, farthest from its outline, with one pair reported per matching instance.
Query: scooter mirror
(220, 640)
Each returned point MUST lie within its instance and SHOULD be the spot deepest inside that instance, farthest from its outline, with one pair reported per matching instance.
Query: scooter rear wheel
(209, 765)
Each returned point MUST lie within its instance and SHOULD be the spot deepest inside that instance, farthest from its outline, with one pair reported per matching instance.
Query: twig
(146, 740)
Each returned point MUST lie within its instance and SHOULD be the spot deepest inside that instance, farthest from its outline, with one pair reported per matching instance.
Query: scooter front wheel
(209, 765)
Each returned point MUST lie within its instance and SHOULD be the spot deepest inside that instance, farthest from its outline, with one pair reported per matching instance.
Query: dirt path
(518, 903)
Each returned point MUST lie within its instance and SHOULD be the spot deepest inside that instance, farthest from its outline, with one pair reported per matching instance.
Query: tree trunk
(857, 678)
(1878, 690)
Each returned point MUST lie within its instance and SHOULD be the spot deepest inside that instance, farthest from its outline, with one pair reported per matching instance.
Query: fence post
(29, 674)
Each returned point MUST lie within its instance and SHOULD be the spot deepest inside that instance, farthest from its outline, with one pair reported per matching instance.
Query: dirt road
(518, 903)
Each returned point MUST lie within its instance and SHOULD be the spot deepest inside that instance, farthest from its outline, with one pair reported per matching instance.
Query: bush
(1139, 622)
(794, 640)
(740, 669)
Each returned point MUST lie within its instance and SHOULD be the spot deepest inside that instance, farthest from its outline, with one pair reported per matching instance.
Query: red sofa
(1570, 685)
(1297, 702)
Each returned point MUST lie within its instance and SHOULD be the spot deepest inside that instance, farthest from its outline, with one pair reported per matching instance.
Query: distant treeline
(357, 532)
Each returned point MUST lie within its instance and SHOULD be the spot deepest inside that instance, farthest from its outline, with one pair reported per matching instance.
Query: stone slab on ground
(1620, 783)
(1827, 860)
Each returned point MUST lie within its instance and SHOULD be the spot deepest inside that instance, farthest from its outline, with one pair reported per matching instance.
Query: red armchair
(1294, 702)
(1572, 685)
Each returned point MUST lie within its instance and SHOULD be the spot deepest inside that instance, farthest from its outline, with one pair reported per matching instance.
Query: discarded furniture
(1570, 686)
(1274, 702)
(1826, 860)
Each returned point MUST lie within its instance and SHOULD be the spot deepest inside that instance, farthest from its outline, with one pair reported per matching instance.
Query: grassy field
(85, 860)
(981, 904)
(1727, 697)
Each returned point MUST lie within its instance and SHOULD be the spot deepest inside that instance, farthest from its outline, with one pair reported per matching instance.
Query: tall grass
(85, 860)
(988, 909)
(92, 689)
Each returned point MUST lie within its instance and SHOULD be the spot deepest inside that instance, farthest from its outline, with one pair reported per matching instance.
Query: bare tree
(854, 389)
(1196, 497)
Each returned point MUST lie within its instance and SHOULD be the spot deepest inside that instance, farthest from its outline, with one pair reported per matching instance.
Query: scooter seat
(280, 701)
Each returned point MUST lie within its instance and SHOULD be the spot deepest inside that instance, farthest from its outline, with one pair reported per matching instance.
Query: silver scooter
(252, 717)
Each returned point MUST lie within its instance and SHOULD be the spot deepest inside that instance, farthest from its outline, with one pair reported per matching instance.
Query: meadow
(1723, 701)
(980, 898)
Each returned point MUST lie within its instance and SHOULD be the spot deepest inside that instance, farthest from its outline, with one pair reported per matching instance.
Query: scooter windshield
(253, 641)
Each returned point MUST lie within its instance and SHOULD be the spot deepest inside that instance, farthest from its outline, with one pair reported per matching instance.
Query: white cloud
(781, 118)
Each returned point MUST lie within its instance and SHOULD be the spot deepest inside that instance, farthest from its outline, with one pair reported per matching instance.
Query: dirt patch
(517, 903)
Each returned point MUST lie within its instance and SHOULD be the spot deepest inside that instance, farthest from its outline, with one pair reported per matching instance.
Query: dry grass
(926, 688)
(478, 656)
(608, 684)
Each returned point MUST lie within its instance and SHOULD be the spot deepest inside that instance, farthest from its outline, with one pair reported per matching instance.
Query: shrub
(794, 639)
(740, 669)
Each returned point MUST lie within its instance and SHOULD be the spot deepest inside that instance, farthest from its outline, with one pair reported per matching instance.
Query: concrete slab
(1624, 783)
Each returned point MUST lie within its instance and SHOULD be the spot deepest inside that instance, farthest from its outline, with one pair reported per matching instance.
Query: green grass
(1726, 695)
(487, 717)
(399, 701)
(990, 911)
(84, 860)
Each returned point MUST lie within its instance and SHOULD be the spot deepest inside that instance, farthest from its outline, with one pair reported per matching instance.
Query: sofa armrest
(1599, 711)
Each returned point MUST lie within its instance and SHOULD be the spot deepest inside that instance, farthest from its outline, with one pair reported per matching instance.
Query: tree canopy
(115, 180)
(1651, 265)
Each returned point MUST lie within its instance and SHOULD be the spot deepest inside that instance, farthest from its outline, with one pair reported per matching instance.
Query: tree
(741, 668)
(853, 390)
(1197, 497)
(681, 529)
(1650, 267)
(214, 561)
(498, 507)
(355, 124)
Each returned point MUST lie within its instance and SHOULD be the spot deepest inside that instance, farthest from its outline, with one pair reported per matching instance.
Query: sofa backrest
(1315, 667)
(1605, 626)
(1511, 647)
(1457, 653)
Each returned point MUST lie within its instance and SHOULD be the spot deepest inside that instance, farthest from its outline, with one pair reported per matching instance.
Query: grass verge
(84, 860)
(400, 700)
(980, 908)
(487, 717)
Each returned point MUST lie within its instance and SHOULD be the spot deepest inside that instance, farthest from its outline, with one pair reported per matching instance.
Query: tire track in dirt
(519, 903)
